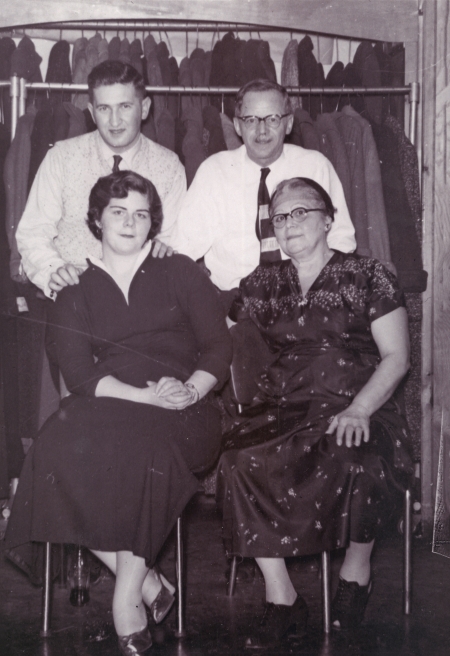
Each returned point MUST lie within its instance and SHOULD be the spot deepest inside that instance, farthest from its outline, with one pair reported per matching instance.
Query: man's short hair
(260, 85)
(119, 185)
(114, 72)
(320, 194)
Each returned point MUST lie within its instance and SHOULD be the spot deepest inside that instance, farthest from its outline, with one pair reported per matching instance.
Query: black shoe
(349, 604)
(135, 644)
(278, 621)
(162, 604)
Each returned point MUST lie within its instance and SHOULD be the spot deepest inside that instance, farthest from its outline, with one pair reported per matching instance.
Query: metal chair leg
(181, 631)
(47, 592)
(232, 581)
(326, 592)
(407, 537)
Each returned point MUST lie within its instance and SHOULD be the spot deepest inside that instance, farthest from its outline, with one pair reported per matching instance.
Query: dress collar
(128, 156)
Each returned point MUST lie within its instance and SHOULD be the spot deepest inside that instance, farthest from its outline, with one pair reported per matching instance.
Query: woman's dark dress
(284, 486)
(112, 474)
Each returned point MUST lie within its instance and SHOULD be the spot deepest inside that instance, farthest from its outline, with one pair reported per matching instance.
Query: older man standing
(52, 236)
(224, 215)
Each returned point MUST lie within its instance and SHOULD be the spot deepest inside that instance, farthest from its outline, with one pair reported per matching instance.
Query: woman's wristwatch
(193, 391)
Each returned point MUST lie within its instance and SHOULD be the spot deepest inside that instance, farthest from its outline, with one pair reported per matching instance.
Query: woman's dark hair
(304, 183)
(119, 185)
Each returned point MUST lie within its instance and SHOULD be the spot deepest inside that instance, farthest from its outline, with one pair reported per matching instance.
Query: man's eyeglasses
(298, 214)
(271, 121)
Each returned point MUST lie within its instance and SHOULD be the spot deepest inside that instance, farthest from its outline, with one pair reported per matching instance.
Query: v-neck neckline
(295, 279)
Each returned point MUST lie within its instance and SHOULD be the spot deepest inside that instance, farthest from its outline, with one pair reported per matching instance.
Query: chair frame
(180, 631)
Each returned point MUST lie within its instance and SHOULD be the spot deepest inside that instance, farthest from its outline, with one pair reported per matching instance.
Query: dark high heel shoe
(135, 644)
(162, 604)
(278, 621)
(349, 604)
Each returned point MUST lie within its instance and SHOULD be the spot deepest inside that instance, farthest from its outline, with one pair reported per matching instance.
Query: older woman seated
(141, 342)
(321, 458)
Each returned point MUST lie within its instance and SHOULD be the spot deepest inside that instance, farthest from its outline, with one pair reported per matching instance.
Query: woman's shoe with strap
(162, 604)
(278, 621)
(135, 644)
(349, 604)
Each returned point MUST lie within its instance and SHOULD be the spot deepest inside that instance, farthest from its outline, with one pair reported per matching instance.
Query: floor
(218, 625)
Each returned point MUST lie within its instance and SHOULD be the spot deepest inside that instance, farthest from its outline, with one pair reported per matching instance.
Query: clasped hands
(351, 426)
(169, 393)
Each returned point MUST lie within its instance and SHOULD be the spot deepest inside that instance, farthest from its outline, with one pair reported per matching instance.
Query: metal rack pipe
(14, 92)
(294, 91)
(172, 26)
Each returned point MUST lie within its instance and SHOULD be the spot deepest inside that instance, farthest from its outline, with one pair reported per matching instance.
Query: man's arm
(38, 226)
(172, 203)
(198, 221)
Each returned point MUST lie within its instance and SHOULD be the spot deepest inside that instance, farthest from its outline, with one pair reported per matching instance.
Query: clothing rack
(19, 88)
(162, 26)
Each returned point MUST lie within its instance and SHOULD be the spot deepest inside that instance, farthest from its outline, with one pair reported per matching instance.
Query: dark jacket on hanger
(405, 246)
(310, 74)
(352, 79)
(50, 125)
(136, 56)
(59, 68)
(335, 78)
(289, 70)
(103, 51)
(155, 80)
(257, 61)
(310, 138)
(7, 47)
(213, 123)
(197, 64)
(367, 67)
(114, 48)
(376, 213)
(334, 148)
(25, 61)
(351, 134)
(124, 53)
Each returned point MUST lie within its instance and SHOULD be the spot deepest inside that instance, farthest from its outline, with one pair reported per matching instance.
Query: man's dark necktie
(117, 159)
(270, 251)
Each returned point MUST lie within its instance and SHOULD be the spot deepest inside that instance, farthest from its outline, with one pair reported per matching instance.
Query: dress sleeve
(71, 339)
(384, 293)
(201, 302)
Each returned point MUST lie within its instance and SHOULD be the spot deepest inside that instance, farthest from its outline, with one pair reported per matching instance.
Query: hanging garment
(352, 79)
(333, 147)
(80, 73)
(213, 123)
(289, 70)
(310, 74)
(173, 101)
(406, 251)
(136, 56)
(409, 167)
(257, 61)
(25, 61)
(335, 78)
(193, 150)
(155, 80)
(185, 81)
(17, 166)
(58, 69)
(351, 134)
(165, 130)
(376, 213)
(224, 71)
(232, 139)
(7, 47)
(103, 51)
(92, 53)
(77, 120)
(397, 104)
(50, 125)
(310, 138)
(197, 62)
(366, 65)
(114, 48)
(124, 53)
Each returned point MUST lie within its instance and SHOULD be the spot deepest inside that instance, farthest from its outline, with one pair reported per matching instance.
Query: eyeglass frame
(285, 215)
(263, 120)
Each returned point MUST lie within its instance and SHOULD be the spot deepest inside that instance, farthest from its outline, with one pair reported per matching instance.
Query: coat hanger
(196, 45)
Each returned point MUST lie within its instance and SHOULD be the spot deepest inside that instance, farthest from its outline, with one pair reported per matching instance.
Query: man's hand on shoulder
(64, 276)
(161, 250)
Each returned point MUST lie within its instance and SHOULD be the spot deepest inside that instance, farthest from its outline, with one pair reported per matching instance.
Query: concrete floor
(217, 625)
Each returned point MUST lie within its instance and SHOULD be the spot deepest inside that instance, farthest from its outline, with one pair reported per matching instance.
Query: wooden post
(436, 246)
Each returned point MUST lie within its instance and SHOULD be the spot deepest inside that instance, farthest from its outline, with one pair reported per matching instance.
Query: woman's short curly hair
(304, 183)
(119, 185)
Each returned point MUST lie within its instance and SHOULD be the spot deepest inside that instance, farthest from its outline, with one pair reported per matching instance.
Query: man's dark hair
(114, 72)
(119, 185)
(304, 183)
(259, 85)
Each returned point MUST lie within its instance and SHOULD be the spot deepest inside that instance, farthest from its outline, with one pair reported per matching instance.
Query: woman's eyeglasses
(298, 214)
(270, 121)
